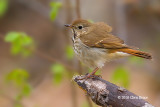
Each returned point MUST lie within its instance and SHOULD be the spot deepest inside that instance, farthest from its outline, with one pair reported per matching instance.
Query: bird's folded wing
(100, 37)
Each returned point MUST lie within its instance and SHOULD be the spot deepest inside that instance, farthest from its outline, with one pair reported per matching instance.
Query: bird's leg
(93, 72)
(91, 75)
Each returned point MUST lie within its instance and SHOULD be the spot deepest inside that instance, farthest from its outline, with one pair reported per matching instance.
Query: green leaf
(16, 48)
(121, 77)
(55, 6)
(53, 14)
(12, 36)
(58, 68)
(69, 52)
(27, 40)
(58, 71)
(26, 89)
(17, 76)
(3, 7)
(25, 52)
(21, 43)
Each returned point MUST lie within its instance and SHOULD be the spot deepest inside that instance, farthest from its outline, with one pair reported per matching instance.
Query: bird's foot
(93, 76)
(90, 76)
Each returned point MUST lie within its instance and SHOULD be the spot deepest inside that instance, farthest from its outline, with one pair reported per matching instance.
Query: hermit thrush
(94, 44)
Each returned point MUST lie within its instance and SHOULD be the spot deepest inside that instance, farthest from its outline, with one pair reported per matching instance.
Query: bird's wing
(100, 37)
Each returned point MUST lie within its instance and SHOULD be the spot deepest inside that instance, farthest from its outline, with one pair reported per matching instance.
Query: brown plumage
(133, 52)
(99, 36)
(94, 44)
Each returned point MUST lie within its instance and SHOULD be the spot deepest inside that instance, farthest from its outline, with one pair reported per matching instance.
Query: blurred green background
(37, 61)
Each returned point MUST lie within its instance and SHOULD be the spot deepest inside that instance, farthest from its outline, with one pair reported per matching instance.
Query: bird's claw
(89, 76)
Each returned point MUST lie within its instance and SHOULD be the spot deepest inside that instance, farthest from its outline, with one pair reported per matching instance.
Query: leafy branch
(20, 43)
(19, 79)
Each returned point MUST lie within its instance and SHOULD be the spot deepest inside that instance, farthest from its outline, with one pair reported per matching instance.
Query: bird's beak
(67, 25)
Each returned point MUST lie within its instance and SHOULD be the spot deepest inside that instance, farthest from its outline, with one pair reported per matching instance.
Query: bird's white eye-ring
(80, 27)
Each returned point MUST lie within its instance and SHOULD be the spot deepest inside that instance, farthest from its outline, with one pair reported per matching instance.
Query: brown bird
(94, 44)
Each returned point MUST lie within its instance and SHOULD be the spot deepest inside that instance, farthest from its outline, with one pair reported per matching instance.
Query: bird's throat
(74, 33)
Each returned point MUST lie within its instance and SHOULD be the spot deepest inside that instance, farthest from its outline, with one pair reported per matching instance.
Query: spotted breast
(92, 57)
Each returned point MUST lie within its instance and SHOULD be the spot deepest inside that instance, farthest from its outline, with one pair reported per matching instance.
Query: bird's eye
(80, 27)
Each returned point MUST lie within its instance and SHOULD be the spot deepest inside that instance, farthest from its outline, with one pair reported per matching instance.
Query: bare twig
(105, 94)
(78, 9)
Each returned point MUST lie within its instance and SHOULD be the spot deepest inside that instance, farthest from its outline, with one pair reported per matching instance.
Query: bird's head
(80, 27)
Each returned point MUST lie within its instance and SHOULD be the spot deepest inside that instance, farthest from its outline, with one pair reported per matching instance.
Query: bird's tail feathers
(136, 53)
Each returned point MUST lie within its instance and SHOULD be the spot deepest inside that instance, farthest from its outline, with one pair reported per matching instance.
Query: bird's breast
(92, 57)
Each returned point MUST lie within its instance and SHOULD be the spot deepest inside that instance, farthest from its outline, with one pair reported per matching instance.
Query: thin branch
(105, 94)
(78, 9)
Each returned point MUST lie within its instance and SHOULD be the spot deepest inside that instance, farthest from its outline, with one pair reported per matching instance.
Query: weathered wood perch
(105, 94)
